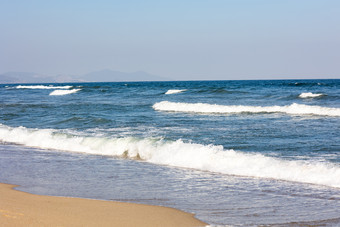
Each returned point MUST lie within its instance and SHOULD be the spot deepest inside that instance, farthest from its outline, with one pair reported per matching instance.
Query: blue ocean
(235, 153)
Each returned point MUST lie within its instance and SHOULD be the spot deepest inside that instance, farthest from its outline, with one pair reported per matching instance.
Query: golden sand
(24, 209)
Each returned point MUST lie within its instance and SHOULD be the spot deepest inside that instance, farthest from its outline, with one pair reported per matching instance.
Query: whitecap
(309, 95)
(295, 109)
(211, 158)
(42, 87)
(64, 92)
(174, 91)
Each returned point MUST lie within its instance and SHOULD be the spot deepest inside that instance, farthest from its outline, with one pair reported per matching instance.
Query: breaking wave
(295, 109)
(174, 91)
(178, 154)
(64, 92)
(309, 95)
(42, 87)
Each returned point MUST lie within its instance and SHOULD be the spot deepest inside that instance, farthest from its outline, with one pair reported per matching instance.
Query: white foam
(296, 109)
(42, 87)
(64, 92)
(174, 91)
(309, 95)
(179, 154)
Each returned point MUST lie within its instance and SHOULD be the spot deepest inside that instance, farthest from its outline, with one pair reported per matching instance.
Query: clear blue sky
(180, 39)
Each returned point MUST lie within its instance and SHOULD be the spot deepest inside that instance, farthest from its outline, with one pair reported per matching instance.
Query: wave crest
(174, 91)
(309, 95)
(179, 154)
(64, 92)
(41, 87)
(295, 109)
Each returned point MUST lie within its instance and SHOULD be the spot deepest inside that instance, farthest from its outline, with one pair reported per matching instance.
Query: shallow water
(237, 166)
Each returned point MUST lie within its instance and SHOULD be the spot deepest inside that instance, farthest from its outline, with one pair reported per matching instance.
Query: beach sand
(24, 209)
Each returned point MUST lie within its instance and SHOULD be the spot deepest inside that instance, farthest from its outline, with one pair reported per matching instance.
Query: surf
(64, 92)
(212, 158)
(204, 108)
(174, 91)
(42, 87)
(309, 95)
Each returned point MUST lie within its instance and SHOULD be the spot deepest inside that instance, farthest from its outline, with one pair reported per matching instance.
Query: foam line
(41, 87)
(174, 91)
(309, 95)
(179, 154)
(295, 109)
(64, 92)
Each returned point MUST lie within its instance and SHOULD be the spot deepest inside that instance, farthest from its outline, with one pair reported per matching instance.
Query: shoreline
(19, 208)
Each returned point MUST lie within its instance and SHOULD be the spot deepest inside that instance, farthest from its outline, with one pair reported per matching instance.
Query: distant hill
(28, 77)
(22, 77)
(8, 79)
(110, 76)
(97, 76)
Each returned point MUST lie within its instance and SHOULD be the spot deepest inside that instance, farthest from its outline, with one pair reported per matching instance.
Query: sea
(234, 153)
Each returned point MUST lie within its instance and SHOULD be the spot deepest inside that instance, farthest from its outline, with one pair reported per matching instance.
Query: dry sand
(23, 209)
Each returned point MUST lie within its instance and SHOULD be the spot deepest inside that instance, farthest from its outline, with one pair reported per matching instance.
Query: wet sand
(24, 209)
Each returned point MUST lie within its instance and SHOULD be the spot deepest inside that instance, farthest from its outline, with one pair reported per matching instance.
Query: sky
(178, 39)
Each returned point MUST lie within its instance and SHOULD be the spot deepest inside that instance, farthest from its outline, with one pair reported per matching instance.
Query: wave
(64, 92)
(296, 109)
(174, 91)
(178, 154)
(305, 84)
(42, 87)
(309, 95)
(219, 91)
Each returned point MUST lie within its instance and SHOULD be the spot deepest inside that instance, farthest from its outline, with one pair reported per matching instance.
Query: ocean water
(239, 153)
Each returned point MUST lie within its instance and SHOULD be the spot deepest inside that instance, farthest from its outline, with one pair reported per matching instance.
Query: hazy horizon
(191, 40)
(80, 78)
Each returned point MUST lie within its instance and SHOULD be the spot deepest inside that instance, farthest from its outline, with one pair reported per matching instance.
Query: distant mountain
(27, 77)
(4, 79)
(111, 76)
(97, 76)
(22, 77)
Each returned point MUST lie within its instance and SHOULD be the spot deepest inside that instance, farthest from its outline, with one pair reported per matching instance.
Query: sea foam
(309, 95)
(179, 154)
(42, 87)
(295, 109)
(174, 91)
(64, 92)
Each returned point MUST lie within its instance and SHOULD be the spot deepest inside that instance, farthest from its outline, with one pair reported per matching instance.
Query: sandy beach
(24, 209)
